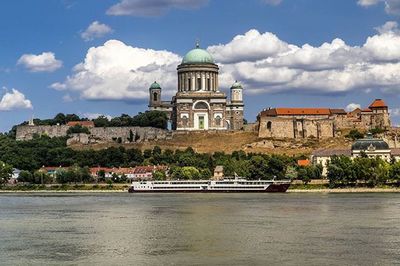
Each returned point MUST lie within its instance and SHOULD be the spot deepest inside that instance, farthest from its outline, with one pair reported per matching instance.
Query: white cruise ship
(213, 186)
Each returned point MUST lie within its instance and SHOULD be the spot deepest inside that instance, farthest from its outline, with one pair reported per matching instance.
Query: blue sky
(99, 57)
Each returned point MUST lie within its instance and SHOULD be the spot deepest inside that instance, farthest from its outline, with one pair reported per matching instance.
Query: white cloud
(368, 2)
(116, 71)
(388, 27)
(45, 62)
(333, 67)
(67, 98)
(58, 86)
(352, 106)
(14, 100)
(391, 6)
(96, 30)
(272, 2)
(251, 46)
(150, 8)
(395, 112)
(261, 61)
(92, 116)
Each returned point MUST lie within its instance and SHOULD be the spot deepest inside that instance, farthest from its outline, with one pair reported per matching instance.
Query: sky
(92, 57)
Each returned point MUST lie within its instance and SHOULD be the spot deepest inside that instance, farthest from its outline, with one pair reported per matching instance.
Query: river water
(200, 229)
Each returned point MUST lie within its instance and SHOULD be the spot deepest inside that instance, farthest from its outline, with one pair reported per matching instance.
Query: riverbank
(123, 188)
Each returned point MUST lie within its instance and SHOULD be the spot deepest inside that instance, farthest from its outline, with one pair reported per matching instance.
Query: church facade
(198, 103)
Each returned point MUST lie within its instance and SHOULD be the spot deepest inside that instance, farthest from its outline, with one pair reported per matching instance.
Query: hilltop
(209, 142)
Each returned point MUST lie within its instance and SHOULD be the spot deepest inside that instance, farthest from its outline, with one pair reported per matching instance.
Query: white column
(216, 81)
(193, 77)
(203, 81)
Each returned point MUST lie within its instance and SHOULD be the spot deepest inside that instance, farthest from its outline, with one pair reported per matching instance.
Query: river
(200, 229)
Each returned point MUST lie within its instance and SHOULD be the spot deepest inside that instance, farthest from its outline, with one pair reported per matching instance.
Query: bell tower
(155, 95)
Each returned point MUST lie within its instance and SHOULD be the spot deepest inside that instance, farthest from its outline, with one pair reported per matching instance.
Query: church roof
(378, 103)
(237, 84)
(198, 56)
(369, 142)
(331, 152)
(155, 85)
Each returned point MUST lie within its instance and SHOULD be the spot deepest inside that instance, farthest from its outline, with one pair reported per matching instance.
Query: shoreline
(308, 190)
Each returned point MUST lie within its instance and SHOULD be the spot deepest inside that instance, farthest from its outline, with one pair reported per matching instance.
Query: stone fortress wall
(97, 134)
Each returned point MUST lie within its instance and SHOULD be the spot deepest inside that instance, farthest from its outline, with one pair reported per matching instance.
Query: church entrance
(201, 122)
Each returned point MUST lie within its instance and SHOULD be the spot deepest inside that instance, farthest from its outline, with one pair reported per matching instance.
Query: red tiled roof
(338, 111)
(82, 123)
(366, 110)
(296, 111)
(378, 103)
(305, 162)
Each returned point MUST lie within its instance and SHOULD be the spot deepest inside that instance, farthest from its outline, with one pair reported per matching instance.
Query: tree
(303, 175)
(159, 175)
(101, 121)
(259, 168)
(78, 129)
(354, 134)
(25, 176)
(205, 173)
(40, 177)
(394, 172)
(340, 171)
(101, 175)
(60, 119)
(5, 172)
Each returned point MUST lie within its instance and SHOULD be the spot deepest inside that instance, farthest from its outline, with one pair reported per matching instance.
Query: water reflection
(234, 229)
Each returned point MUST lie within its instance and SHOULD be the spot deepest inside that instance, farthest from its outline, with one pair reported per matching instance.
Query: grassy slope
(231, 141)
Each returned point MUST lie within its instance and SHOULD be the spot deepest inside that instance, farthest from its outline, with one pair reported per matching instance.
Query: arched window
(269, 125)
(185, 121)
(155, 96)
(218, 120)
(201, 105)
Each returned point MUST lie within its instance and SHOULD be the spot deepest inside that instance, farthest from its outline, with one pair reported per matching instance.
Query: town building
(219, 172)
(199, 104)
(320, 123)
(368, 146)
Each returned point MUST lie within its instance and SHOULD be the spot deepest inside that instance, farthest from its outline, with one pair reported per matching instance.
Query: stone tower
(235, 107)
(381, 118)
(155, 95)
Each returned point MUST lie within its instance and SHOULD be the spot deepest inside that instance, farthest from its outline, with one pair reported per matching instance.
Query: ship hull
(273, 188)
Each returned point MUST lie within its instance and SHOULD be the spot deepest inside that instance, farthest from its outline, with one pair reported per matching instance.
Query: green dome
(198, 56)
(368, 143)
(237, 84)
(155, 85)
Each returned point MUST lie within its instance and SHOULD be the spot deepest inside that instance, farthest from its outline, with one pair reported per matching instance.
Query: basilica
(198, 103)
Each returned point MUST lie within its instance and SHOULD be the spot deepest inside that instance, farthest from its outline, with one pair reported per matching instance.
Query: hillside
(209, 142)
